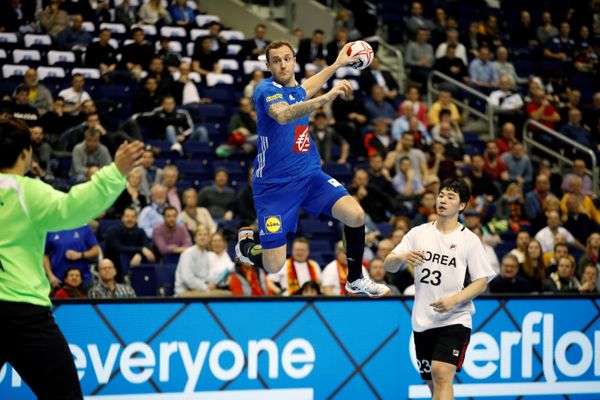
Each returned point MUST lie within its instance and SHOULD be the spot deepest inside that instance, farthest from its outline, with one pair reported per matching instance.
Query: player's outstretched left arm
(474, 289)
(313, 84)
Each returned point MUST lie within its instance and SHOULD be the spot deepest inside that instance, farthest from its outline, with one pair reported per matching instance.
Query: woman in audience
(131, 196)
(154, 13)
(562, 280)
(257, 77)
(592, 253)
(248, 280)
(533, 268)
(219, 260)
(589, 279)
(194, 216)
(72, 288)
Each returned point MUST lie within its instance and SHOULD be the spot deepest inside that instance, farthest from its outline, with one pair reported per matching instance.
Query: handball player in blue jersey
(287, 170)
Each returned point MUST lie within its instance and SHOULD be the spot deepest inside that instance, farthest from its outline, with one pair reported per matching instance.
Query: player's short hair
(458, 186)
(276, 44)
(14, 138)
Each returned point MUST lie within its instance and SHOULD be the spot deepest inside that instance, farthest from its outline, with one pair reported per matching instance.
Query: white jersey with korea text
(452, 261)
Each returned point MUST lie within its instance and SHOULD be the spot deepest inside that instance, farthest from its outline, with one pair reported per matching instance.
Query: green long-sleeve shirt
(29, 209)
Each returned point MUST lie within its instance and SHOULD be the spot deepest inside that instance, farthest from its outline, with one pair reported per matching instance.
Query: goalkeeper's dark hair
(14, 138)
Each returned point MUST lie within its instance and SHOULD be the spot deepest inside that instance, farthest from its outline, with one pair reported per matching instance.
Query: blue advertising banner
(322, 349)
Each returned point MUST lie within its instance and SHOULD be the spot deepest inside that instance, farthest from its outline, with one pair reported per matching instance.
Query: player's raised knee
(356, 217)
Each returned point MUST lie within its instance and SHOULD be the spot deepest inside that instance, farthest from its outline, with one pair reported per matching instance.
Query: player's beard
(285, 77)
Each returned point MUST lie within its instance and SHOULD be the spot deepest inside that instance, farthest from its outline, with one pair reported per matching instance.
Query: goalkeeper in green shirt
(30, 340)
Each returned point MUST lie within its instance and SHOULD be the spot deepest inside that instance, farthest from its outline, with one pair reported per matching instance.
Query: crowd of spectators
(183, 205)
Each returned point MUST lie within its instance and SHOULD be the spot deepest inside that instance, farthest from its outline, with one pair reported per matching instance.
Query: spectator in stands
(419, 106)
(380, 176)
(107, 287)
(406, 147)
(518, 165)
(72, 287)
(573, 103)
(88, 153)
(326, 138)
(102, 54)
(482, 73)
(170, 176)
(546, 235)
(542, 110)
(75, 95)
(298, 269)
(153, 12)
(39, 95)
(378, 107)
(505, 68)
(482, 186)
(132, 197)
(184, 90)
(242, 128)
(350, 117)
(194, 216)
(585, 204)
(416, 20)
(335, 274)
(72, 136)
(490, 34)
(151, 174)
(170, 58)
(311, 50)
(452, 66)
(192, 277)
(374, 75)
(72, 248)
(41, 152)
(174, 124)
(243, 207)
(507, 138)
(335, 46)
(182, 14)
(521, 242)
(493, 163)
(256, 46)
(574, 130)
(533, 268)
(589, 279)
(137, 55)
(218, 198)
(505, 99)
(586, 56)
(379, 141)
(577, 221)
(561, 47)
(561, 249)
(562, 280)
(257, 77)
(425, 209)
(205, 60)
(473, 40)
(536, 198)
(248, 280)
(509, 280)
(439, 165)
(310, 288)
(578, 170)
(378, 205)
(418, 56)
(511, 206)
(592, 253)
(546, 31)
(126, 14)
(444, 102)
(218, 42)
(163, 77)
(524, 35)
(405, 181)
(489, 250)
(450, 135)
(147, 98)
(55, 122)
(452, 39)
(221, 265)
(127, 241)
(170, 238)
(592, 114)
(74, 38)
(152, 215)
(21, 108)
(440, 25)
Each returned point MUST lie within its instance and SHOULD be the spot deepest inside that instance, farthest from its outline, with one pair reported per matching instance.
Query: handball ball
(363, 51)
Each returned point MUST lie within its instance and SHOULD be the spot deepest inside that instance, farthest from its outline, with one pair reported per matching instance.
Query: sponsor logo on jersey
(441, 259)
(292, 98)
(301, 139)
(452, 247)
(273, 224)
(277, 84)
(274, 97)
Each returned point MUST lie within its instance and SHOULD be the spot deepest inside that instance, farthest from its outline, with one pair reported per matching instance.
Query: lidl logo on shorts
(273, 224)
(274, 97)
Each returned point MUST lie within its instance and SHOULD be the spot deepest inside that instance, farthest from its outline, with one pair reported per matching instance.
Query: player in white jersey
(451, 269)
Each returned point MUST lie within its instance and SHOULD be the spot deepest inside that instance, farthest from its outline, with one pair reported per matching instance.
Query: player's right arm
(284, 113)
(52, 210)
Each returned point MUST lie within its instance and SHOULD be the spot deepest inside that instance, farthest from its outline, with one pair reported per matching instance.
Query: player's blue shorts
(277, 205)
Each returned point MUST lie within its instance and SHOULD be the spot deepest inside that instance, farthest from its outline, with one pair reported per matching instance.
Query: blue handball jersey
(285, 152)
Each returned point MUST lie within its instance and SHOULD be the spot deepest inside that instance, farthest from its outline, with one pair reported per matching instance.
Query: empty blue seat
(143, 280)
(106, 224)
(165, 279)
(385, 228)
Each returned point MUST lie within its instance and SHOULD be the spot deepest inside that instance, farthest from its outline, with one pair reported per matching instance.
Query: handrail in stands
(529, 141)
(488, 116)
